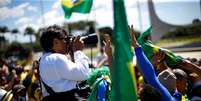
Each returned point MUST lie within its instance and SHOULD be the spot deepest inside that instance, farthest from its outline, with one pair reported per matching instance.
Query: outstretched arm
(189, 67)
(148, 71)
(149, 74)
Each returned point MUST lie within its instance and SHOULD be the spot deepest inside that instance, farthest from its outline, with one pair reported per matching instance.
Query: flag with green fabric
(79, 6)
(123, 75)
(150, 49)
(95, 77)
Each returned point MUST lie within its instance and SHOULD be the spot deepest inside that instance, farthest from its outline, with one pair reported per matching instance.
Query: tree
(80, 25)
(4, 29)
(196, 21)
(15, 31)
(17, 51)
(29, 31)
(3, 41)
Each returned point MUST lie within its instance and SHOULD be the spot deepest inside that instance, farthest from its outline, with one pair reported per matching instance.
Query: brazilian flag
(123, 75)
(79, 6)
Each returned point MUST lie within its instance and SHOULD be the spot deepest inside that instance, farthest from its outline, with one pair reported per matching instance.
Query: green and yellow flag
(123, 76)
(150, 49)
(80, 6)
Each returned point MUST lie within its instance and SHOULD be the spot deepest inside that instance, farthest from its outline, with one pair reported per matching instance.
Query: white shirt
(60, 73)
(2, 93)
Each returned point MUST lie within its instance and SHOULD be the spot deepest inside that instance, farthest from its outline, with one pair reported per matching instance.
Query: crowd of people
(63, 72)
(19, 83)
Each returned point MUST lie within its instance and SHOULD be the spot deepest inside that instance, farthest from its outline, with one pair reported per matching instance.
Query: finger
(73, 39)
(104, 43)
(131, 26)
(77, 39)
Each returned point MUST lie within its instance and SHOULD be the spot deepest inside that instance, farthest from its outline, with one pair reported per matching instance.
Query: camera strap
(47, 88)
(57, 95)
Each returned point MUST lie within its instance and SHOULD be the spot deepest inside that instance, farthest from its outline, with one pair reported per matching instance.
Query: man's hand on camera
(78, 44)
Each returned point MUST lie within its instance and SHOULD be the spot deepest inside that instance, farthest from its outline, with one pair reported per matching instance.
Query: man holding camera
(58, 74)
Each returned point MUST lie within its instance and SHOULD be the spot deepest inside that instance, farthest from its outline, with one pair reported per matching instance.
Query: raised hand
(158, 57)
(107, 43)
(108, 50)
(132, 33)
(78, 44)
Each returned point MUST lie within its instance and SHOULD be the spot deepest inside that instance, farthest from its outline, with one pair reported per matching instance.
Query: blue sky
(22, 13)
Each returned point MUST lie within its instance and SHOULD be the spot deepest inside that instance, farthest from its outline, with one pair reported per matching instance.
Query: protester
(194, 92)
(170, 58)
(149, 93)
(167, 76)
(19, 93)
(148, 71)
(102, 58)
(99, 79)
(181, 83)
(31, 82)
(58, 74)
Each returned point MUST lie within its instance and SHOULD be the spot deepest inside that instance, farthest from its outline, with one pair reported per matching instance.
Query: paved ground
(192, 50)
(193, 54)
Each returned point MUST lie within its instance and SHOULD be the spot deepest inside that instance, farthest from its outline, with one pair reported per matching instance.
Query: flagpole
(139, 14)
(42, 12)
(96, 30)
(91, 48)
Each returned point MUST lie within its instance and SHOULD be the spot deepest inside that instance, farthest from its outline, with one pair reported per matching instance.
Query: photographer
(58, 74)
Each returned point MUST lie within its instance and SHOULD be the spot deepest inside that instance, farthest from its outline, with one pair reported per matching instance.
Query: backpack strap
(47, 88)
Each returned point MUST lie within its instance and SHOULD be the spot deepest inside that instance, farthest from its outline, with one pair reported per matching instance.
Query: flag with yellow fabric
(123, 75)
(79, 6)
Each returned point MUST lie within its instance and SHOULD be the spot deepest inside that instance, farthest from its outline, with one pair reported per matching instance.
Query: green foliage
(187, 31)
(4, 29)
(18, 51)
(178, 41)
(80, 25)
(29, 31)
(15, 31)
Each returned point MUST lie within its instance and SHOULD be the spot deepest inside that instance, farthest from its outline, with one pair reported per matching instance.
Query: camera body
(88, 39)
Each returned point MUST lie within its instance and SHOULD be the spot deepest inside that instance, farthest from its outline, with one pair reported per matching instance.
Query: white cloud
(16, 11)
(4, 2)
(52, 17)
(102, 4)
(32, 8)
(22, 21)
(5, 13)
(25, 22)
(56, 5)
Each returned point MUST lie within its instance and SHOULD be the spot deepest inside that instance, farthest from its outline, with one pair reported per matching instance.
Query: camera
(89, 39)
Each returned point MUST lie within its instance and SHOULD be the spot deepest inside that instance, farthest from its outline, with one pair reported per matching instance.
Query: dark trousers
(63, 96)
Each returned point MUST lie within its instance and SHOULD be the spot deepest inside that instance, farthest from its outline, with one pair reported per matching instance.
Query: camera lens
(90, 39)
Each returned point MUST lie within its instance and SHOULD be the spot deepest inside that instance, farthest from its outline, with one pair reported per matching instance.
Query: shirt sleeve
(149, 74)
(102, 88)
(78, 70)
